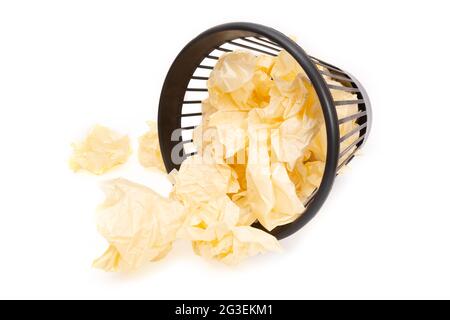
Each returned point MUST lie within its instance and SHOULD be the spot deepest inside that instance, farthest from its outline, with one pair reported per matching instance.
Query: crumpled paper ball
(100, 151)
(139, 225)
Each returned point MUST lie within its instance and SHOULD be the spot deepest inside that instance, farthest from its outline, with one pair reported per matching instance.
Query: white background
(65, 65)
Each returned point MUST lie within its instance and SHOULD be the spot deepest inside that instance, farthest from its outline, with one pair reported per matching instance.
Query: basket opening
(186, 87)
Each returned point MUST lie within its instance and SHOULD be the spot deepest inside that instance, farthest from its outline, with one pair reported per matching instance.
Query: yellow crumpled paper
(236, 244)
(197, 181)
(231, 130)
(289, 109)
(271, 194)
(215, 231)
(139, 225)
(232, 72)
(101, 150)
(261, 155)
(240, 81)
(218, 228)
(286, 68)
(292, 138)
(149, 153)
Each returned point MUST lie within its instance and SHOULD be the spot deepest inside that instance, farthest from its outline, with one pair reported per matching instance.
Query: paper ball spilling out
(261, 151)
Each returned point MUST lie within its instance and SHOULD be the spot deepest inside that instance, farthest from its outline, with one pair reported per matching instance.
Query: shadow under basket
(185, 88)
